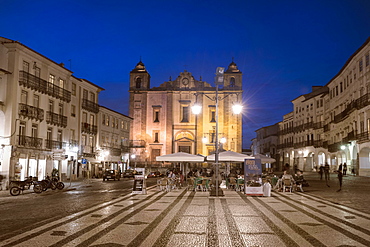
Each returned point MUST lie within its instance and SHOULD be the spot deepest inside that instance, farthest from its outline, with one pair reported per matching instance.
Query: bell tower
(233, 77)
(139, 78)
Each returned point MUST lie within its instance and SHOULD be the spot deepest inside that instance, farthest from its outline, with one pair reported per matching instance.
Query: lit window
(52, 79)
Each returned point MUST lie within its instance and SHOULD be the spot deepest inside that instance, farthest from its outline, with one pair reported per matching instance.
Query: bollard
(267, 189)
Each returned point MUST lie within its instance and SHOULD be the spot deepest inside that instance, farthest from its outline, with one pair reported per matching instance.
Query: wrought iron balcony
(30, 81)
(89, 128)
(56, 119)
(29, 142)
(335, 147)
(31, 112)
(137, 144)
(90, 106)
(115, 151)
(51, 144)
(285, 145)
(363, 137)
(125, 149)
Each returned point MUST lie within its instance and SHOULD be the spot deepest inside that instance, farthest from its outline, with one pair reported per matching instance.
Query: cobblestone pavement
(318, 217)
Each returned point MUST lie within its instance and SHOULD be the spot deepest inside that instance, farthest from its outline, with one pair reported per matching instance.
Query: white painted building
(48, 117)
(332, 123)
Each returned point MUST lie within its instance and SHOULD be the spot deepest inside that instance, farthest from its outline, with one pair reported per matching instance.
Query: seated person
(299, 179)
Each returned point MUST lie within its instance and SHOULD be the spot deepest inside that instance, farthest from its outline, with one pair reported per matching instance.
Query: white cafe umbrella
(229, 156)
(180, 157)
(264, 159)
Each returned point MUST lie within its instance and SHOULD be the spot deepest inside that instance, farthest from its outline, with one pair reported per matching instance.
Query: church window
(156, 137)
(232, 82)
(212, 114)
(185, 114)
(138, 82)
(156, 113)
(156, 116)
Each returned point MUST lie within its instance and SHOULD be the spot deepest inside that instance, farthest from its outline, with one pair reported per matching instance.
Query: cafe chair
(240, 184)
(190, 184)
(287, 184)
(164, 184)
(232, 184)
(204, 185)
(299, 186)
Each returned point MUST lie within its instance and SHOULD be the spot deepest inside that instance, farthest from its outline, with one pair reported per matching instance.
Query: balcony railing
(285, 145)
(31, 112)
(51, 144)
(56, 119)
(29, 142)
(125, 149)
(363, 137)
(335, 147)
(90, 106)
(89, 128)
(286, 131)
(356, 104)
(115, 151)
(30, 81)
(318, 143)
(137, 144)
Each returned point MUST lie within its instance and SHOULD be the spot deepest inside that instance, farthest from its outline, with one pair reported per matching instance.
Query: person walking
(340, 178)
(326, 172)
(344, 169)
(340, 167)
(321, 171)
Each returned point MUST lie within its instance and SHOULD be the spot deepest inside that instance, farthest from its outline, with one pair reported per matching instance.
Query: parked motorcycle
(16, 187)
(59, 184)
(48, 183)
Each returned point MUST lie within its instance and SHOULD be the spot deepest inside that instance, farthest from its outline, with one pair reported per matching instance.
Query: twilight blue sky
(283, 47)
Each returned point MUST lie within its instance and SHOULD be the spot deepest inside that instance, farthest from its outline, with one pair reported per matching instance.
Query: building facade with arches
(332, 123)
(163, 122)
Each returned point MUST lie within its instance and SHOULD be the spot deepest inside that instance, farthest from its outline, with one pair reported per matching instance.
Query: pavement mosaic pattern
(187, 218)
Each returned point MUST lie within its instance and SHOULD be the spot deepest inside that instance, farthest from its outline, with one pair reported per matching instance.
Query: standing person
(340, 178)
(321, 171)
(326, 172)
(340, 167)
(344, 169)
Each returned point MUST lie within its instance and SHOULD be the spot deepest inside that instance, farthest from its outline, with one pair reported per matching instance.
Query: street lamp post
(219, 79)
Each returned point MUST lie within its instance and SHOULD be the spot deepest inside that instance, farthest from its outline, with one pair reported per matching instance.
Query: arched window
(138, 82)
(232, 82)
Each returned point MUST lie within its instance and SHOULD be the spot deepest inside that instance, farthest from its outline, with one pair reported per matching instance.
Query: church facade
(163, 122)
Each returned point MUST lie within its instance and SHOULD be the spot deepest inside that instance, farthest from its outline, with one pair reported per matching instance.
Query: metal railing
(31, 112)
(90, 106)
(36, 83)
(29, 142)
(89, 128)
(56, 119)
